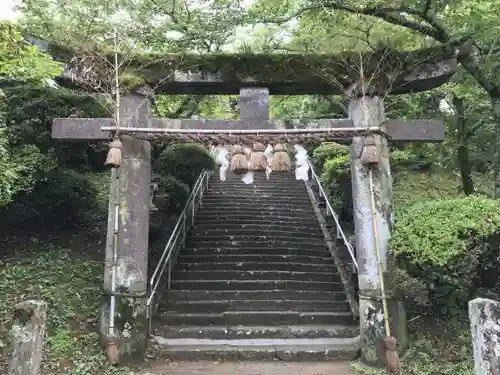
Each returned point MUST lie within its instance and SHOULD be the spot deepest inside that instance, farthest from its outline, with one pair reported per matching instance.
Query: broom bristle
(112, 351)
(391, 355)
(114, 157)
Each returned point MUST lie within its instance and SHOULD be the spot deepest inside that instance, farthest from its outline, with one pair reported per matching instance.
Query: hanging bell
(281, 162)
(239, 160)
(258, 160)
(369, 154)
(114, 158)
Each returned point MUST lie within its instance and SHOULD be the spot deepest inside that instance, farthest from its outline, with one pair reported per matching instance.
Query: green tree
(20, 61)
(334, 25)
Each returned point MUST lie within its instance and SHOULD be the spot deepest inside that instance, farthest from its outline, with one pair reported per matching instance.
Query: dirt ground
(252, 368)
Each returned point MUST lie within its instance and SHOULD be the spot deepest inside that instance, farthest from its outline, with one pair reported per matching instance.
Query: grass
(69, 282)
(437, 348)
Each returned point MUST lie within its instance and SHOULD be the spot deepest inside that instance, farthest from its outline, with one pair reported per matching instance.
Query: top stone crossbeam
(254, 118)
(283, 74)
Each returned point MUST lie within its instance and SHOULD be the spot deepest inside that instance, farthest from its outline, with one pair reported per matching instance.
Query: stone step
(256, 332)
(238, 185)
(248, 209)
(256, 266)
(236, 215)
(236, 242)
(256, 318)
(275, 199)
(260, 177)
(257, 226)
(256, 285)
(252, 234)
(291, 204)
(212, 250)
(278, 294)
(242, 218)
(256, 185)
(330, 349)
(216, 275)
(282, 176)
(235, 218)
(260, 181)
(236, 188)
(258, 258)
(222, 193)
(238, 193)
(250, 305)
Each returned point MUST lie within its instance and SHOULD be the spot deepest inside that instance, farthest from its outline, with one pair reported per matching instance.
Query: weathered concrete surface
(484, 315)
(134, 181)
(28, 333)
(296, 350)
(254, 104)
(372, 324)
(252, 368)
(367, 112)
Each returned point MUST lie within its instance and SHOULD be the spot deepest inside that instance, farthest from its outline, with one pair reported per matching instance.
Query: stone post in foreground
(28, 332)
(484, 315)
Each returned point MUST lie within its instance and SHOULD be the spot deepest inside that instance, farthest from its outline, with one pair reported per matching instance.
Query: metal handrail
(180, 230)
(329, 210)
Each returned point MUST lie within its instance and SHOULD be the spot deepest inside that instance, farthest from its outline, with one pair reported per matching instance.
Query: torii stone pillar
(368, 111)
(132, 181)
(130, 186)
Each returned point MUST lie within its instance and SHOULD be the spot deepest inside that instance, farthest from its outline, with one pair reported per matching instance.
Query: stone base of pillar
(372, 326)
(128, 343)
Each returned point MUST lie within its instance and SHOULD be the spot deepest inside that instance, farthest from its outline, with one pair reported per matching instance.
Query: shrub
(65, 198)
(172, 194)
(336, 179)
(327, 151)
(169, 199)
(332, 162)
(185, 162)
(451, 246)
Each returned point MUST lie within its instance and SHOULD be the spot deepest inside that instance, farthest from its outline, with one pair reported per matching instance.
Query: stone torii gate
(365, 110)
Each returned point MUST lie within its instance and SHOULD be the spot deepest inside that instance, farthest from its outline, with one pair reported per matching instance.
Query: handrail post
(201, 194)
(184, 231)
(169, 275)
(193, 207)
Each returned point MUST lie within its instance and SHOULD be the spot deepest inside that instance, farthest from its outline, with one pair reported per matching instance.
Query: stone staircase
(256, 280)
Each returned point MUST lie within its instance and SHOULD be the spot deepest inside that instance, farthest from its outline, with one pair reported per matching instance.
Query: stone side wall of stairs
(256, 280)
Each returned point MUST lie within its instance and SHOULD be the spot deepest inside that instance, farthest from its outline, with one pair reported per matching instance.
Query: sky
(7, 10)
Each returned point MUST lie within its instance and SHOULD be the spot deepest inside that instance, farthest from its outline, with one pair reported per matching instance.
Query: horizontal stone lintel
(201, 83)
(397, 130)
(393, 72)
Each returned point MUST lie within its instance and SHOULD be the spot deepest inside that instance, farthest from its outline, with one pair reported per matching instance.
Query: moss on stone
(270, 68)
